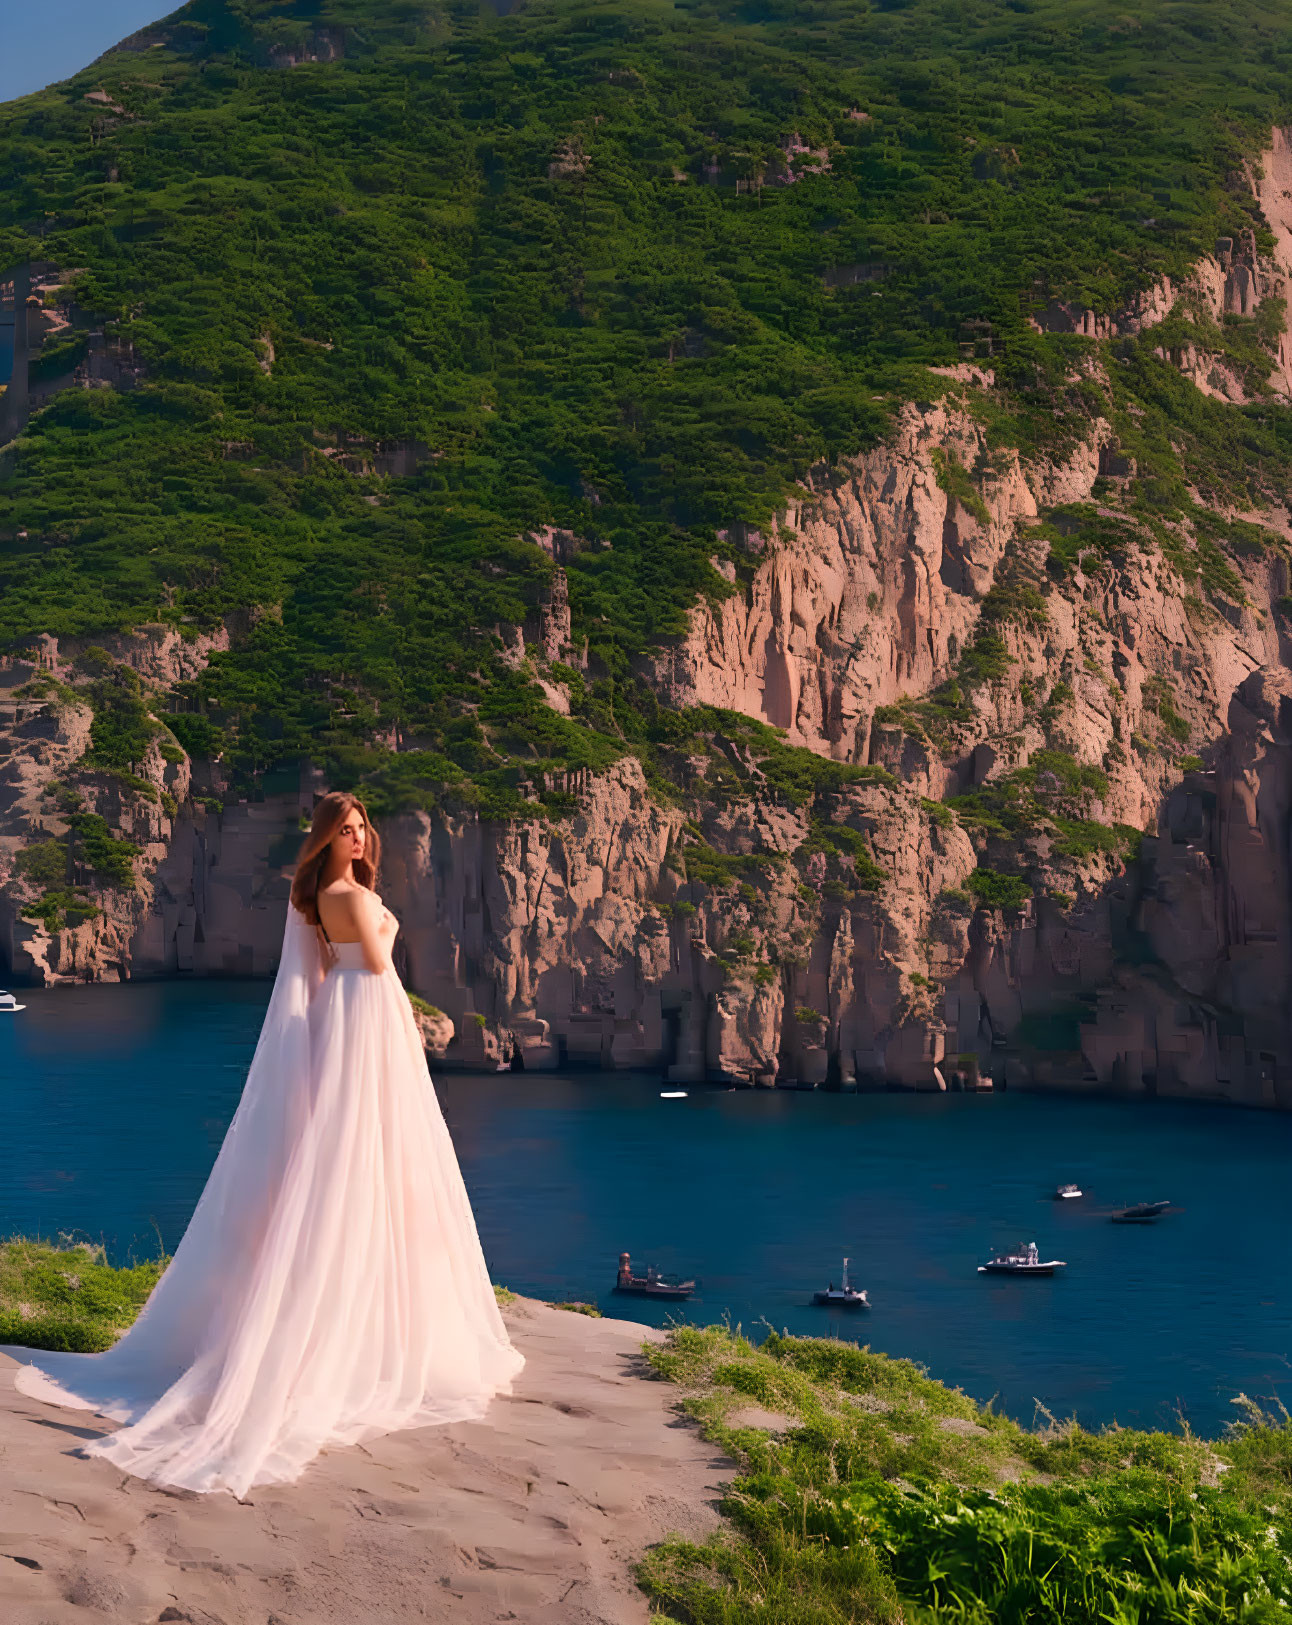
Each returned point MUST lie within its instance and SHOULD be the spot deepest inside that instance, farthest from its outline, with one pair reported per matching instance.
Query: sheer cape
(330, 1285)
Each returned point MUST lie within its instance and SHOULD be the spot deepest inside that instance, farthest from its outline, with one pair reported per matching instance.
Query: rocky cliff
(1052, 850)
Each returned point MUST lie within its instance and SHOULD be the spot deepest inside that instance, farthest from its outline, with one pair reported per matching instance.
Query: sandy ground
(535, 1514)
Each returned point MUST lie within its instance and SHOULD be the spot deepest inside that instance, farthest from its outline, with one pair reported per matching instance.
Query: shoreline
(715, 1082)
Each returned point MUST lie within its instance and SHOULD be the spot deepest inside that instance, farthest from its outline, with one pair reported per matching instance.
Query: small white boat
(672, 1094)
(846, 1296)
(1066, 1193)
(10, 1004)
(1026, 1262)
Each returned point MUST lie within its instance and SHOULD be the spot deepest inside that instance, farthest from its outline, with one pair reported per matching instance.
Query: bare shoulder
(342, 904)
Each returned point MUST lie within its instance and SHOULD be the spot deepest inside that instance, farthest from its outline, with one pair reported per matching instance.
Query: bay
(115, 1100)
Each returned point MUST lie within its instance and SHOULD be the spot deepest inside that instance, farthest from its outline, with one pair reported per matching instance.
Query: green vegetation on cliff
(870, 1492)
(394, 288)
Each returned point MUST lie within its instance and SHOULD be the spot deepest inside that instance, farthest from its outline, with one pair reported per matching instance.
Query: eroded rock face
(1214, 910)
(41, 739)
(584, 940)
(868, 592)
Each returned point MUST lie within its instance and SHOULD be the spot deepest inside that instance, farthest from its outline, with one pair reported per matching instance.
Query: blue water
(117, 1097)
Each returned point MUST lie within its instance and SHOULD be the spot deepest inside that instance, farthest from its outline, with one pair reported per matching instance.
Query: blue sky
(44, 40)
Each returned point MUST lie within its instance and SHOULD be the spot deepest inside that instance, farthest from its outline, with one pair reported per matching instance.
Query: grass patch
(894, 1498)
(68, 1296)
(1159, 697)
(423, 1008)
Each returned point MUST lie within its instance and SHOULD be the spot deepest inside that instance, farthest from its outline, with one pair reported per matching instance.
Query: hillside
(782, 511)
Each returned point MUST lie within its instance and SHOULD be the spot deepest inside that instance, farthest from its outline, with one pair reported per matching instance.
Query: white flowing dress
(330, 1285)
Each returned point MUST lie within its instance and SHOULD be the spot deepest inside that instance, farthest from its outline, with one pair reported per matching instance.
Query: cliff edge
(538, 1513)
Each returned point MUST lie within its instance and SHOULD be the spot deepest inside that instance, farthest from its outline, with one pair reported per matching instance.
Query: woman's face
(351, 837)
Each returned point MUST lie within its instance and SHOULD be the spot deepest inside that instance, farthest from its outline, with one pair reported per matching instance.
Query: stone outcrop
(45, 738)
(868, 591)
(435, 1027)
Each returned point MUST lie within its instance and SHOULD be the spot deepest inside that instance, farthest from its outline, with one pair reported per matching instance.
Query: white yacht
(9, 1004)
(1028, 1261)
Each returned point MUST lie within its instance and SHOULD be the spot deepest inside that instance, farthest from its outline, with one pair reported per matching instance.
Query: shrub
(44, 863)
(721, 870)
(61, 909)
(198, 735)
(837, 841)
(111, 859)
(938, 812)
(985, 660)
(995, 890)
(955, 479)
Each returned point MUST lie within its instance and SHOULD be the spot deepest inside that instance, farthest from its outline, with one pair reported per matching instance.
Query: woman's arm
(375, 928)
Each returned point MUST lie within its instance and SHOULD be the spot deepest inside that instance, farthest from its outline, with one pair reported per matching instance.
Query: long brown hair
(329, 813)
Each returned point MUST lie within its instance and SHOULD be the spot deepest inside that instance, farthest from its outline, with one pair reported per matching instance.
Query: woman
(330, 1285)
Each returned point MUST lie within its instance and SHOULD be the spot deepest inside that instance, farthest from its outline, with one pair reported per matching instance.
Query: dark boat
(842, 1297)
(1140, 1213)
(1026, 1262)
(650, 1285)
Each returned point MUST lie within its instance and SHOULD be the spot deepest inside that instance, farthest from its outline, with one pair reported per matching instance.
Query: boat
(846, 1296)
(1027, 1262)
(10, 1005)
(1066, 1193)
(1140, 1213)
(651, 1285)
